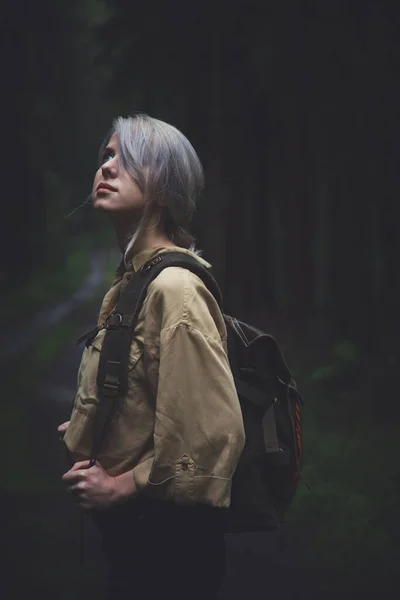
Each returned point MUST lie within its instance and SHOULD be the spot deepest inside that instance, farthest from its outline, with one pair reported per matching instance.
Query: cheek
(133, 193)
(97, 178)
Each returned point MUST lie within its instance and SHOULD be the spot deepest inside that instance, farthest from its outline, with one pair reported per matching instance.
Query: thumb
(62, 428)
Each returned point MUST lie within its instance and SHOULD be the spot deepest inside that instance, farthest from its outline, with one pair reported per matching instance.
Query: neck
(152, 236)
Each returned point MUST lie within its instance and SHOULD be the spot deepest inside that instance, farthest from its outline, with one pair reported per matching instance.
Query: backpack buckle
(150, 264)
(110, 390)
(113, 321)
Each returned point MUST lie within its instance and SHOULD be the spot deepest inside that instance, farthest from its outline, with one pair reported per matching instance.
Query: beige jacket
(179, 426)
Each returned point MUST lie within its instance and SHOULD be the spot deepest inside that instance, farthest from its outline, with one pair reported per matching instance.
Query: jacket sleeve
(198, 430)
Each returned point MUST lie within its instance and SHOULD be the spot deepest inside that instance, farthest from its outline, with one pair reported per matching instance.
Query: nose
(109, 169)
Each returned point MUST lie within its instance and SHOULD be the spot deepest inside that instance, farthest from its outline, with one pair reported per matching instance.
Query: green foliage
(55, 103)
(24, 375)
(48, 284)
(324, 373)
(345, 352)
(350, 517)
(344, 358)
(27, 478)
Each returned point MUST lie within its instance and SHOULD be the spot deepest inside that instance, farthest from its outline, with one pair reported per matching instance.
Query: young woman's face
(114, 189)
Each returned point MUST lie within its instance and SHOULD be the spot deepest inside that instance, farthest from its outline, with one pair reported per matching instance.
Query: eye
(107, 155)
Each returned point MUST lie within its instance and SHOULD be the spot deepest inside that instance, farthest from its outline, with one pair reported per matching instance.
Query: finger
(75, 490)
(71, 476)
(83, 464)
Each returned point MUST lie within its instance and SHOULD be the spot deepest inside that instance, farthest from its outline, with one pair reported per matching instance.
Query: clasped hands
(92, 487)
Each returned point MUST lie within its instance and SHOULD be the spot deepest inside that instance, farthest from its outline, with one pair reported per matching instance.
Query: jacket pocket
(87, 397)
(135, 353)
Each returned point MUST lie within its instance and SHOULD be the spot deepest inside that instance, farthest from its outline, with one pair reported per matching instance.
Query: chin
(103, 205)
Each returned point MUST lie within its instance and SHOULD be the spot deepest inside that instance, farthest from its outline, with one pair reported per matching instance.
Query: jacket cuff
(181, 485)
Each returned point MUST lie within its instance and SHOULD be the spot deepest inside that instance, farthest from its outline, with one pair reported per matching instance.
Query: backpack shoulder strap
(112, 376)
(122, 321)
(152, 268)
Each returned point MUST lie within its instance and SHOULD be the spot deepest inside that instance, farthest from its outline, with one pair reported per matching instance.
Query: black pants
(160, 550)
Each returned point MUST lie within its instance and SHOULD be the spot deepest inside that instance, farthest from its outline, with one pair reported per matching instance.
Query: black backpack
(266, 477)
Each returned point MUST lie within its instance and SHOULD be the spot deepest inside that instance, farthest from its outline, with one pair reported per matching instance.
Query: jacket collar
(135, 263)
(142, 257)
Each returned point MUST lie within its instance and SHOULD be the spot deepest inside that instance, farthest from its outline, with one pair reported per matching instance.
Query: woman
(163, 475)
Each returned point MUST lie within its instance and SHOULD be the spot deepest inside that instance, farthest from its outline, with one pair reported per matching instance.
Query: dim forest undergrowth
(23, 374)
(40, 527)
(45, 286)
(347, 524)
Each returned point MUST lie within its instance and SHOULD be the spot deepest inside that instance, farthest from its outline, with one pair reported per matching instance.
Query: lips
(103, 186)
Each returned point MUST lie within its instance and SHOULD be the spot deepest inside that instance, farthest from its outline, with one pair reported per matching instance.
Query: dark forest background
(293, 108)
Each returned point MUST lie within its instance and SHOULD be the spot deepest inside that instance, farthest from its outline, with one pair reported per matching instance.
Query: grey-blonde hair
(166, 167)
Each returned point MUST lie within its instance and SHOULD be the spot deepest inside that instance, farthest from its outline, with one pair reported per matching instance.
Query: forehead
(113, 141)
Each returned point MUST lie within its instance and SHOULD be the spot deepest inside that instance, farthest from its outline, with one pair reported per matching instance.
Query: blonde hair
(166, 167)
